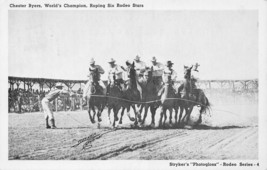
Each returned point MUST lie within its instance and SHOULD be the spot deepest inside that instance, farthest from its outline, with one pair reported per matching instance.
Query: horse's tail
(206, 106)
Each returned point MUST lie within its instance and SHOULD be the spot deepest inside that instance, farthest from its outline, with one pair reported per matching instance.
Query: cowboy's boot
(53, 124)
(46, 123)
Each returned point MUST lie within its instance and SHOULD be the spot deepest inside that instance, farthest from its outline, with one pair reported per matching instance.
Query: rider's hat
(137, 58)
(111, 61)
(59, 84)
(154, 59)
(92, 61)
(169, 63)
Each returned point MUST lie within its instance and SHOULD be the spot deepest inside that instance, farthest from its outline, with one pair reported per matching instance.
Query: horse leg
(115, 110)
(170, 118)
(109, 110)
(189, 113)
(122, 113)
(116, 118)
(180, 115)
(161, 115)
(93, 108)
(176, 114)
(101, 108)
(128, 114)
(89, 112)
(186, 114)
(165, 116)
(145, 114)
(136, 116)
(141, 108)
(153, 112)
(99, 114)
(137, 113)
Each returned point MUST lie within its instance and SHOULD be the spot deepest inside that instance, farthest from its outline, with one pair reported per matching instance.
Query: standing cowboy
(140, 67)
(115, 70)
(157, 72)
(92, 67)
(47, 106)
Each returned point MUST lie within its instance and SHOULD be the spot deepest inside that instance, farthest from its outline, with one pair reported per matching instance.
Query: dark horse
(114, 102)
(96, 97)
(131, 95)
(191, 96)
(150, 96)
(168, 101)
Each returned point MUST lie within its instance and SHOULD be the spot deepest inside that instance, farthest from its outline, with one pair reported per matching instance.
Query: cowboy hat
(169, 63)
(137, 58)
(59, 84)
(154, 59)
(111, 61)
(92, 61)
(128, 62)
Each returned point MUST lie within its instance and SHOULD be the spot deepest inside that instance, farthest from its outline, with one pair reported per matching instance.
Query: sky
(59, 44)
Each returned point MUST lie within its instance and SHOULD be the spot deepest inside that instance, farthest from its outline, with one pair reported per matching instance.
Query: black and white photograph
(123, 81)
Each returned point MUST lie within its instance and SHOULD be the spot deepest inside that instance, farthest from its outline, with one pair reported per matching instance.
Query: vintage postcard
(133, 84)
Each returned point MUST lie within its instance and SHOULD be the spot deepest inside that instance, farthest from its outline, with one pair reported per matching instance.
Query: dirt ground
(230, 133)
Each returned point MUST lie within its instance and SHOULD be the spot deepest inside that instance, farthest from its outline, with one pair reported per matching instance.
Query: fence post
(81, 103)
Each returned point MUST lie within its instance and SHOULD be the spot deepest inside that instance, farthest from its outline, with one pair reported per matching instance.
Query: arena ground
(231, 133)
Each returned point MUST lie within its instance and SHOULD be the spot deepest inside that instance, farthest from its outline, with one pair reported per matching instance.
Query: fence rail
(232, 90)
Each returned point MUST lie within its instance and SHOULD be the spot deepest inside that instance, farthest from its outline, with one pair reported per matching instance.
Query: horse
(95, 95)
(168, 101)
(192, 96)
(132, 95)
(150, 96)
(114, 102)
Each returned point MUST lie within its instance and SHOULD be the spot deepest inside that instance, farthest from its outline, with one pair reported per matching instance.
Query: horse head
(187, 72)
(131, 72)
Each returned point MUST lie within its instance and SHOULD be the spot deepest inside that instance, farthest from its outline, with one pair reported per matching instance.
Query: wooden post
(64, 103)
(233, 86)
(17, 85)
(81, 103)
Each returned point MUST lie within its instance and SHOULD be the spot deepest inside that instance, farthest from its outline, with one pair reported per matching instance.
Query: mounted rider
(157, 72)
(140, 67)
(93, 67)
(189, 85)
(169, 76)
(115, 72)
(169, 73)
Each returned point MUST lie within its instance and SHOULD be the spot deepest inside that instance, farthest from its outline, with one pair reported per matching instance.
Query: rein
(151, 101)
